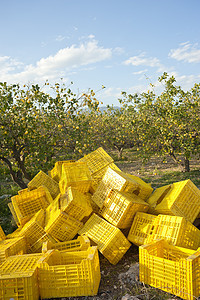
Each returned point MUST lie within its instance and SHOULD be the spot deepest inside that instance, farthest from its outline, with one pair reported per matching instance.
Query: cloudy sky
(121, 44)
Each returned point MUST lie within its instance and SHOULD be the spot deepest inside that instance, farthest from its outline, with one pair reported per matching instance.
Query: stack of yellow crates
(89, 201)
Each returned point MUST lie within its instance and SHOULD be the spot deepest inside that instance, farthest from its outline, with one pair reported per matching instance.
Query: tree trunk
(15, 175)
(186, 165)
(120, 151)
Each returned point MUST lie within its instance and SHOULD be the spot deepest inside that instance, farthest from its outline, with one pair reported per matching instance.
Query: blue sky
(122, 44)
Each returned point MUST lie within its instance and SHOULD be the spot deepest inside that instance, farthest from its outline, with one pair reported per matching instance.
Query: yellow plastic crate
(70, 274)
(141, 228)
(52, 209)
(97, 160)
(156, 197)
(75, 204)
(37, 246)
(62, 226)
(145, 188)
(183, 199)
(56, 172)
(15, 218)
(97, 176)
(75, 174)
(33, 230)
(110, 240)
(176, 230)
(2, 234)
(19, 286)
(42, 179)
(82, 243)
(114, 179)
(9, 247)
(120, 208)
(19, 277)
(28, 203)
(170, 268)
(94, 206)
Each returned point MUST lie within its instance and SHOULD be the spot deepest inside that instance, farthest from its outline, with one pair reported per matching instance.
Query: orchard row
(39, 126)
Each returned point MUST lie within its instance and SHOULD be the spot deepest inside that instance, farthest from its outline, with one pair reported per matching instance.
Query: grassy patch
(170, 177)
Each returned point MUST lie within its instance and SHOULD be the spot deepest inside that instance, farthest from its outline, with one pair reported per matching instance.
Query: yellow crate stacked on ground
(28, 203)
(9, 247)
(55, 173)
(75, 204)
(141, 228)
(114, 179)
(2, 234)
(182, 199)
(69, 274)
(82, 243)
(19, 277)
(120, 208)
(33, 230)
(145, 190)
(110, 240)
(176, 230)
(170, 268)
(76, 174)
(42, 179)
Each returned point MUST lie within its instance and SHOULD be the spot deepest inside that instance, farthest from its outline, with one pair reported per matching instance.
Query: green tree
(37, 127)
(169, 122)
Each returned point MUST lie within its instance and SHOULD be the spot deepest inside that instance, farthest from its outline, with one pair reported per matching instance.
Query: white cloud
(54, 66)
(60, 38)
(186, 52)
(143, 60)
(140, 72)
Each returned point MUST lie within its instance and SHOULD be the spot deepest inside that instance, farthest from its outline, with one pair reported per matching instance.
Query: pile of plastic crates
(78, 204)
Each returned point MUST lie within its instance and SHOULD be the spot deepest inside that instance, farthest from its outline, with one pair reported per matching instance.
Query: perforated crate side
(170, 268)
(63, 227)
(42, 179)
(32, 231)
(10, 247)
(115, 250)
(82, 243)
(176, 230)
(55, 173)
(27, 204)
(120, 208)
(97, 160)
(145, 188)
(10, 205)
(37, 246)
(75, 204)
(110, 240)
(78, 274)
(141, 228)
(19, 286)
(114, 179)
(182, 200)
